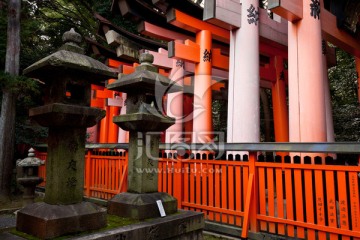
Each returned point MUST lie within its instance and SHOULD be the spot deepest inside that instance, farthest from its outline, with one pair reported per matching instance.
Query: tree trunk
(8, 105)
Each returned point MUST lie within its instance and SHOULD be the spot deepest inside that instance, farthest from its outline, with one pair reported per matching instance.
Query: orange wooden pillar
(357, 62)
(202, 118)
(307, 112)
(113, 129)
(281, 120)
(204, 58)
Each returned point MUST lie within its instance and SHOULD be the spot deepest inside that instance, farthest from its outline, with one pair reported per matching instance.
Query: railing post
(251, 201)
(178, 181)
(87, 173)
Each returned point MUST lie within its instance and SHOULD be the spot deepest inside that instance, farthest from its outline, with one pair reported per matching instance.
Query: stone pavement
(7, 222)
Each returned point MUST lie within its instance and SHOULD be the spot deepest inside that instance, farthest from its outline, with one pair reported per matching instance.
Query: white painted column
(244, 78)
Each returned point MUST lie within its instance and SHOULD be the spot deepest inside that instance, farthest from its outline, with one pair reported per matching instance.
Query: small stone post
(145, 89)
(68, 75)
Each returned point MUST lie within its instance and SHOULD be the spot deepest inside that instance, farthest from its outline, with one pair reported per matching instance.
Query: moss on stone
(112, 222)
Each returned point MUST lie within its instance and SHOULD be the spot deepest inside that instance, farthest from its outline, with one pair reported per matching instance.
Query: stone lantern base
(141, 205)
(48, 221)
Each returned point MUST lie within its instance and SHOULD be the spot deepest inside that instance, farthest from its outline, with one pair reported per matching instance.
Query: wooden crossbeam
(337, 36)
(185, 52)
(223, 13)
(152, 30)
(291, 10)
(189, 23)
(190, 52)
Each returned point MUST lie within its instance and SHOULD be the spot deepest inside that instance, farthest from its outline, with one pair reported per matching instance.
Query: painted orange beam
(127, 69)
(190, 52)
(219, 61)
(152, 30)
(268, 50)
(182, 20)
(337, 36)
(97, 102)
(184, 52)
(104, 94)
(291, 10)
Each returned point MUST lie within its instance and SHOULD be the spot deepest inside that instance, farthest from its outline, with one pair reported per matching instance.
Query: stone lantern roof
(70, 57)
(145, 78)
(30, 161)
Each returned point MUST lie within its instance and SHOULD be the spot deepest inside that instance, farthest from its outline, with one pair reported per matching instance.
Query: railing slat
(320, 202)
(280, 199)
(354, 202)
(217, 191)
(262, 197)
(331, 202)
(289, 201)
(309, 201)
(270, 194)
(211, 186)
(238, 193)
(231, 190)
(224, 192)
(342, 203)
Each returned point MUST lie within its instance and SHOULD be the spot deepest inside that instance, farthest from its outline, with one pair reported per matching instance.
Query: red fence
(306, 201)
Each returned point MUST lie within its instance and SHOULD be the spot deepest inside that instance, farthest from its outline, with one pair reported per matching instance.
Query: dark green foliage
(343, 88)
(28, 95)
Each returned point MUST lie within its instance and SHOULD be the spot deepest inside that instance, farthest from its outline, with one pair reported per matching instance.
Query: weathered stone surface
(141, 205)
(48, 221)
(146, 80)
(185, 225)
(58, 114)
(68, 75)
(64, 60)
(145, 89)
(143, 122)
(65, 165)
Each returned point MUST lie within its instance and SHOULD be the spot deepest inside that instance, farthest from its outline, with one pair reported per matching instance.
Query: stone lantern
(30, 179)
(68, 75)
(145, 89)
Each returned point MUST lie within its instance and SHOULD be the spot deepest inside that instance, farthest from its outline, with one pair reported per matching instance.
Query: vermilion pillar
(104, 123)
(306, 94)
(113, 128)
(244, 77)
(202, 114)
(174, 104)
(357, 62)
(281, 120)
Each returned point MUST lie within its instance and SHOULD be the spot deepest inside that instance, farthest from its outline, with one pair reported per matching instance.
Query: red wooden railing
(305, 201)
